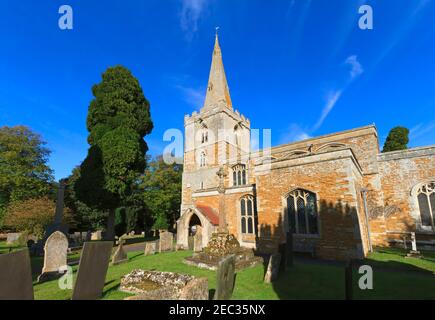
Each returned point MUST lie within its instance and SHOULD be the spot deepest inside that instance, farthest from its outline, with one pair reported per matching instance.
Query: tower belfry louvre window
(239, 175)
(302, 212)
(426, 203)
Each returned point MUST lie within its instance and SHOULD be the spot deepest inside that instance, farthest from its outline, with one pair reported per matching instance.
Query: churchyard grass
(4, 247)
(306, 280)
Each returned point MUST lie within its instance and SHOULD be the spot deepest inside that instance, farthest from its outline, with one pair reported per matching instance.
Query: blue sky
(301, 68)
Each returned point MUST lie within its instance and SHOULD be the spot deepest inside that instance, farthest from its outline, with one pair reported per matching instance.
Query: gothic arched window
(426, 204)
(239, 175)
(247, 215)
(302, 212)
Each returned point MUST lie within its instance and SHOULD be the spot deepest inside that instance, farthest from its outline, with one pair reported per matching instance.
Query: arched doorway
(193, 223)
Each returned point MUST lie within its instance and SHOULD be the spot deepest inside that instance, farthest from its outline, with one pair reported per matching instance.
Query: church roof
(217, 89)
(209, 213)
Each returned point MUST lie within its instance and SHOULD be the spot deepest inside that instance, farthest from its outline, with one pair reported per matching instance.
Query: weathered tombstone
(92, 271)
(16, 276)
(96, 236)
(197, 240)
(414, 253)
(120, 256)
(150, 248)
(190, 242)
(166, 242)
(273, 267)
(13, 237)
(55, 256)
(225, 278)
(86, 236)
(196, 289)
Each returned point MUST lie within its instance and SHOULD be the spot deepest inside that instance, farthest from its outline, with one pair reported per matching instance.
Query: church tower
(216, 137)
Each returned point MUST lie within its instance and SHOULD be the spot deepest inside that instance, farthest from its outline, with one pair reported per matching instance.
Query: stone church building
(336, 193)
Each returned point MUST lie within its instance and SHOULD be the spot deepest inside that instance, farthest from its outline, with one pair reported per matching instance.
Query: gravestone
(120, 256)
(273, 267)
(96, 236)
(55, 256)
(86, 236)
(166, 242)
(91, 275)
(197, 240)
(13, 237)
(196, 289)
(150, 248)
(16, 276)
(414, 253)
(225, 278)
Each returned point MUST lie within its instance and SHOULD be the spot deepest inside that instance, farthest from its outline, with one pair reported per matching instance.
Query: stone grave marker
(86, 236)
(16, 276)
(166, 242)
(91, 275)
(225, 278)
(150, 248)
(414, 253)
(96, 236)
(273, 267)
(197, 240)
(120, 256)
(12, 237)
(55, 256)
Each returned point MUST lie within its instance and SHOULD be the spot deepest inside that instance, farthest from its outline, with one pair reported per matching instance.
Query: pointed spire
(217, 89)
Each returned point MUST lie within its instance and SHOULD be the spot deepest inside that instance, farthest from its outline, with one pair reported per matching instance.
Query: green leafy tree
(118, 120)
(161, 186)
(87, 218)
(24, 172)
(397, 139)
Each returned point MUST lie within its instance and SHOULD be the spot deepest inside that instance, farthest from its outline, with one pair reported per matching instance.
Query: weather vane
(217, 30)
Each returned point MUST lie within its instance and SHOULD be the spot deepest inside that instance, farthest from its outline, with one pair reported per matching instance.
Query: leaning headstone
(120, 256)
(166, 242)
(273, 267)
(150, 248)
(197, 240)
(16, 276)
(55, 256)
(96, 236)
(225, 278)
(91, 275)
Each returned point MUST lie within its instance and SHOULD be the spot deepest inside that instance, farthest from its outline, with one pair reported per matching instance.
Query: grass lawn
(4, 248)
(394, 278)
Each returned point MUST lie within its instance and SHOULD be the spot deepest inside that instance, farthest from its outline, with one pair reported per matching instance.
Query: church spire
(217, 89)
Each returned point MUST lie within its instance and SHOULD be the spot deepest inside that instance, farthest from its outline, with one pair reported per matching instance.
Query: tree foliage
(397, 139)
(34, 215)
(161, 186)
(86, 218)
(24, 172)
(118, 120)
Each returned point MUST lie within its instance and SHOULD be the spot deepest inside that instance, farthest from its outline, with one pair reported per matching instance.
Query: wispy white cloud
(422, 129)
(190, 15)
(356, 67)
(331, 100)
(294, 133)
(193, 96)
